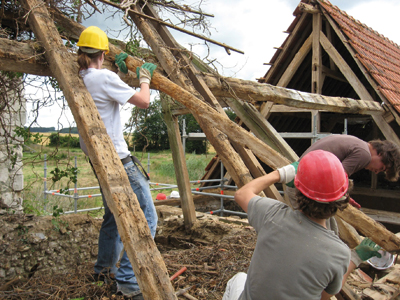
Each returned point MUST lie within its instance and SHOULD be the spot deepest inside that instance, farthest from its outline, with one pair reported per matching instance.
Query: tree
(150, 130)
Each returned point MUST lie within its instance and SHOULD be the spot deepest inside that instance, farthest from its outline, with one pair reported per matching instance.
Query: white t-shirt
(108, 92)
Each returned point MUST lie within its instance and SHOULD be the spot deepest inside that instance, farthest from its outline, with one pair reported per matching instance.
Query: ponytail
(84, 59)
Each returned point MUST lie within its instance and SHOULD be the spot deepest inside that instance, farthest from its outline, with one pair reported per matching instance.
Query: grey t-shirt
(294, 258)
(351, 151)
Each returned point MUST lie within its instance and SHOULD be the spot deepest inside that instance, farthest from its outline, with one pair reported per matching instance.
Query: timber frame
(303, 80)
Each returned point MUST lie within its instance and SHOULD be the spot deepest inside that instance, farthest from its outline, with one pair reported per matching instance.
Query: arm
(253, 188)
(325, 296)
(351, 267)
(142, 98)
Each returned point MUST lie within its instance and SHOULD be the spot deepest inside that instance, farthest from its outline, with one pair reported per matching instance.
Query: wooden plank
(181, 172)
(390, 194)
(146, 260)
(348, 293)
(382, 216)
(370, 228)
(386, 287)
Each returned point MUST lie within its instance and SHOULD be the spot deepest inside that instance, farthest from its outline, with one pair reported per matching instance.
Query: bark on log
(146, 260)
(221, 87)
(370, 228)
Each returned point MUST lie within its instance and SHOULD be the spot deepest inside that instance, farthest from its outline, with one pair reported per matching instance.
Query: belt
(126, 160)
(135, 161)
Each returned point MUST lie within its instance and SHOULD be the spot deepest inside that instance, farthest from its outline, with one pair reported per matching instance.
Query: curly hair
(320, 210)
(390, 155)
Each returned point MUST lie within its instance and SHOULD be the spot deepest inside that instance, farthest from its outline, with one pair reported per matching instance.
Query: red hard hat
(321, 177)
(161, 196)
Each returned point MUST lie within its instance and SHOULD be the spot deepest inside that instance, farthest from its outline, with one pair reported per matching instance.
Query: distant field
(45, 138)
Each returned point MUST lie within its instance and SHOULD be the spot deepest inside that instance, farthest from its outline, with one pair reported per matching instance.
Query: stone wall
(52, 245)
(12, 115)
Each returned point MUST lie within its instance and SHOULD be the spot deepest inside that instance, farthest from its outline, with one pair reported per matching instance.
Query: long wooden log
(370, 228)
(146, 260)
(19, 57)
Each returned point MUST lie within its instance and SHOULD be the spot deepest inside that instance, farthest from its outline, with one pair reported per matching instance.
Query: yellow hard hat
(93, 39)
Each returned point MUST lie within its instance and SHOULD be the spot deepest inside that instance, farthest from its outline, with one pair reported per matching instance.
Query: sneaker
(137, 295)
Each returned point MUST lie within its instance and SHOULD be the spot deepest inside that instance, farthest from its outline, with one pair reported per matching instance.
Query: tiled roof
(379, 55)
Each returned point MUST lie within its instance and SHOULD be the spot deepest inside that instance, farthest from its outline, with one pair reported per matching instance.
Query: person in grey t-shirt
(296, 256)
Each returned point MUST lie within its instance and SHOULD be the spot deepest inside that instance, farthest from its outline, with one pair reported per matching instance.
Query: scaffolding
(157, 186)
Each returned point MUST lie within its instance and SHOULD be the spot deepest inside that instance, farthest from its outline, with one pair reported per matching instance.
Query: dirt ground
(212, 252)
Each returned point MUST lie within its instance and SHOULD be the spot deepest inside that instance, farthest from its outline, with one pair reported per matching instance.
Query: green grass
(161, 171)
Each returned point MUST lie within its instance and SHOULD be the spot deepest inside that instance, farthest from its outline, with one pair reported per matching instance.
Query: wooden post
(316, 81)
(146, 260)
(181, 172)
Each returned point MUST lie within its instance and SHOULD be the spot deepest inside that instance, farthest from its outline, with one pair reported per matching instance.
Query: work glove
(354, 203)
(120, 62)
(287, 174)
(364, 251)
(145, 72)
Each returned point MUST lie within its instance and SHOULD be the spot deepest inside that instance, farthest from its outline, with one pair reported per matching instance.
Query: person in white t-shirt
(109, 92)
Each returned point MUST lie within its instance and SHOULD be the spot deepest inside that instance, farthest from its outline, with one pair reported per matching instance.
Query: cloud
(381, 16)
(256, 27)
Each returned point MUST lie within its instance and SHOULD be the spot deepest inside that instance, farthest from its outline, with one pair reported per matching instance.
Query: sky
(254, 27)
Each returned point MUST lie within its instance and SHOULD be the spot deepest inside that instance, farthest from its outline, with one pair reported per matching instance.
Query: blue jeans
(110, 244)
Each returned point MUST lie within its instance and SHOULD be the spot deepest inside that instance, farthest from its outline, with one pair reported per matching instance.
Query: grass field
(160, 164)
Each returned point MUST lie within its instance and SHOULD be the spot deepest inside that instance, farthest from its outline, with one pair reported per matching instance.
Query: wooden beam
(385, 288)
(347, 233)
(261, 128)
(248, 157)
(17, 56)
(308, 8)
(143, 254)
(232, 161)
(357, 86)
(181, 172)
(382, 216)
(287, 49)
(333, 74)
(370, 228)
(345, 68)
(224, 87)
(390, 194)
(316, 74)
(295, 63)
